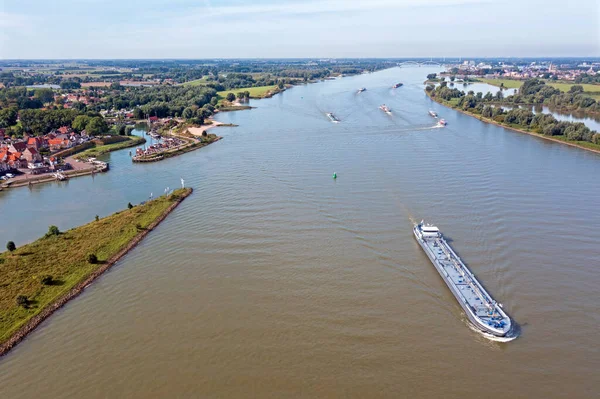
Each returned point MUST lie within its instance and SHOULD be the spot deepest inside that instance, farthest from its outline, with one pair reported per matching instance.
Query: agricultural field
(255, 92)
(562, 86)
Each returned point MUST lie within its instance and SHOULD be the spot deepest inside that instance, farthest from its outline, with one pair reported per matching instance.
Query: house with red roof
(64, 130)
(4, 160)
(59, 144)
(36, 142)
(31, 155)
(15, 161)
(17, 146)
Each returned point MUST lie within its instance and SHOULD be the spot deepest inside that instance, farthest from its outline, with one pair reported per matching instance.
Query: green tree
(138, 113)
(44, 95)
(576, 89)
(97, 125)
(46, 279)
(11, 246)
(187, 113)
(230, 97)
(80, 122)
(8, 116)
(70, 84)
(431, 76)
(452, 78)
(52, 231)
(129, 205)
(22, 300)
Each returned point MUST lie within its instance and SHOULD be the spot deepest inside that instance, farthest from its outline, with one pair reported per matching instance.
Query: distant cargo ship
(397, 85)
(361, 90)
(332, 117)
(481, 309)
(385, 109)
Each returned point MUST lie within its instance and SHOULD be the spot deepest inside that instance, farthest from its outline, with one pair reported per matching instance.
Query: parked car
(10, 175)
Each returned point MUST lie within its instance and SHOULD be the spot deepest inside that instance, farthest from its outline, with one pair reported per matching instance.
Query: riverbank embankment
(44, 275)
(516, 129)
(73, 157)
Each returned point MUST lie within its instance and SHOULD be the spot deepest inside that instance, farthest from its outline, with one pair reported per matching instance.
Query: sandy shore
(197, 131)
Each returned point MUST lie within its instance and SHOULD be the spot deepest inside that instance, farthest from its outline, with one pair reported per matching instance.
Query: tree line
(490, 106)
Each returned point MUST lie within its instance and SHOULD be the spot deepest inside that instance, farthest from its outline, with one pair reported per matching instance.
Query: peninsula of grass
(97, 150)
(40, 277)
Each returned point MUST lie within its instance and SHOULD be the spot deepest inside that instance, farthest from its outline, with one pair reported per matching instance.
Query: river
(274, 280)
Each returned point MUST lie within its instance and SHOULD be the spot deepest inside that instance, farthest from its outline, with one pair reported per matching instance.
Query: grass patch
(104, 149)
(562, 86)
(198, 82)
(508, 83)
(65, 257)
(255, 92)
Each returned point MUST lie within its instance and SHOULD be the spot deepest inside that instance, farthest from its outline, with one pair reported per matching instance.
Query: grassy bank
(558, 139)
(98, 150)
(65, 258)
(588, 89)
(255, 92)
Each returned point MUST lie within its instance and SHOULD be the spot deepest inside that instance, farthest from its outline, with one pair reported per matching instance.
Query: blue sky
(297, 28)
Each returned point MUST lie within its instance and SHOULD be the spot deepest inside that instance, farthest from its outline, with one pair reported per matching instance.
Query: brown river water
(274, 280)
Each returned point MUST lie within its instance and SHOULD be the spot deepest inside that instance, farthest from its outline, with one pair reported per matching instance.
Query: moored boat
(482, 310)
(362, 89)
(433, 113)
(397, 85)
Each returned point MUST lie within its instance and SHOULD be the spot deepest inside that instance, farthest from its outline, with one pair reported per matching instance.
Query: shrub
(52, 231)
(93, 259)
(97, 218)
(46, 280)
(11, 246)
(129, 205)
(22, 300)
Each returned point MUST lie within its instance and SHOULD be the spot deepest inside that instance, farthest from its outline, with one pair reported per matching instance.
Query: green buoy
(334, 175)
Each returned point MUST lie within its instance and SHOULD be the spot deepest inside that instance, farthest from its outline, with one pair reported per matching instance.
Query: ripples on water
(274, 280)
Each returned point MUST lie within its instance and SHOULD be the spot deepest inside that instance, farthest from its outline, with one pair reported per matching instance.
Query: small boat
(362, 89)
(442, 122)
(433, 113)
(397, 85)
(385, 109)
(333, 118)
